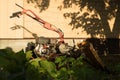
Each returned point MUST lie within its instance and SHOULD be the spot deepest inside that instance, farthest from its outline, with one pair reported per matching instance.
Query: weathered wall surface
(16, 45)
(7, 7)
(52, 15)
(15, 38)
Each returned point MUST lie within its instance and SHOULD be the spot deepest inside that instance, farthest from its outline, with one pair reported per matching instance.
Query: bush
(21, 66)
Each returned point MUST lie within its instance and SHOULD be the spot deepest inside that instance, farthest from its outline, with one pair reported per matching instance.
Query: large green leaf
(6, 53)
(34, 70)
(20, 57)
(28, 55)
(60, 59)
(64, 74)
(50, 67)
(6, 56)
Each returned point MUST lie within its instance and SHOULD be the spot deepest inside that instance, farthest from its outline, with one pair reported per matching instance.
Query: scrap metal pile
(52, 48)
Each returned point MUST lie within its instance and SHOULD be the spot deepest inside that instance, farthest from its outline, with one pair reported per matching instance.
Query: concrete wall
(7, 7)
(17, 39)
(19, 44)
(52, 15)
(16, 45)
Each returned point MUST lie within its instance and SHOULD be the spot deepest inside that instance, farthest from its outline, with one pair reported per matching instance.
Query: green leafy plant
(12, 64)
(21, 66)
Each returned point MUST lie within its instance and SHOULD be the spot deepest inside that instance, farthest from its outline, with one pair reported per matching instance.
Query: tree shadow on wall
(41, 4)
(92, 16)
(94, 19)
